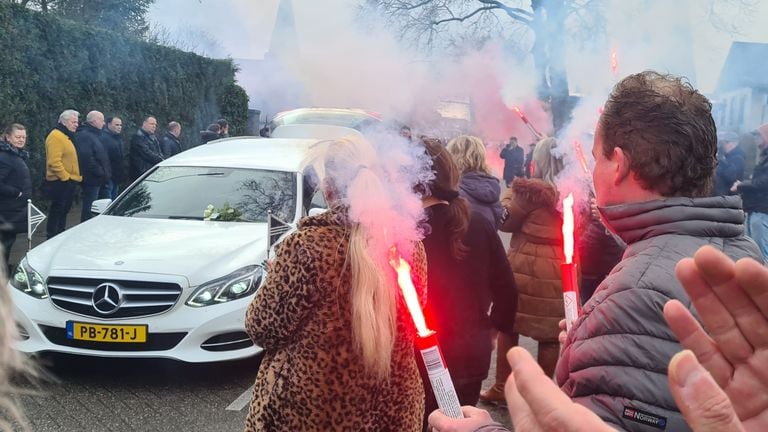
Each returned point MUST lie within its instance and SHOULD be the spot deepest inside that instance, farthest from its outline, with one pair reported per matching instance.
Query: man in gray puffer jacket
(655, 152)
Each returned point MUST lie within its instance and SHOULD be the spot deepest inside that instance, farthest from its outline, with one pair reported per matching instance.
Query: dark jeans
(90, 194)
(7, 238)
(109, 190)
(61, 193)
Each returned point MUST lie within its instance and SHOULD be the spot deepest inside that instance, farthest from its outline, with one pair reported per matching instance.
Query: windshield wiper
(134, 210)
(210, 174)
(186, 217)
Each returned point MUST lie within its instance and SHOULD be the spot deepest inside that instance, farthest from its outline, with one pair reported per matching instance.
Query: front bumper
(176, 334)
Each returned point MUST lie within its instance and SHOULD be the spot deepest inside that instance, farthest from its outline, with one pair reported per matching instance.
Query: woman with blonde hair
(535, 253)
(478, 186)
(337, 335)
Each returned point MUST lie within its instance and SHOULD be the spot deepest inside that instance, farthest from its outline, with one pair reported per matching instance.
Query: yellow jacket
(61, 158)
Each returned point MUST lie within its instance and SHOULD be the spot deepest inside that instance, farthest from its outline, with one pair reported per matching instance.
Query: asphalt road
(94, 394)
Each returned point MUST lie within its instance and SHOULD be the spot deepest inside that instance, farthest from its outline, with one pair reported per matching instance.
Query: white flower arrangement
(225, 213)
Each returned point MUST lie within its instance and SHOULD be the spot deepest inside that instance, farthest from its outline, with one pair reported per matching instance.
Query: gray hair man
(62, 170)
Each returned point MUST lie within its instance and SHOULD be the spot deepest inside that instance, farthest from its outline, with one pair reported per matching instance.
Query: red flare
(580, 157)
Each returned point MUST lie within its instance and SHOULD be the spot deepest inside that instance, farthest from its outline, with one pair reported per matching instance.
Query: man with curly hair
(655, 151)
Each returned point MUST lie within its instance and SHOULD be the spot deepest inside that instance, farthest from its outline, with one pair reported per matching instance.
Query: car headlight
(238, 284)
(27, 280)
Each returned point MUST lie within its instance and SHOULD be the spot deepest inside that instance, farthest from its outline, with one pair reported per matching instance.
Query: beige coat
(535, 254)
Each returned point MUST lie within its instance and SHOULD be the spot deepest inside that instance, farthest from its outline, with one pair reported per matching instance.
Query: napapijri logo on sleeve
(645, 417)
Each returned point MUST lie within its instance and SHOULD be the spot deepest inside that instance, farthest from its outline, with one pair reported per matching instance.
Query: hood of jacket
(720, 216)
(481, 187)
(535, 191)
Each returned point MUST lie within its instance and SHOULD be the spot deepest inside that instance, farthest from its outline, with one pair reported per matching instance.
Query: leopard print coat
(311, 377)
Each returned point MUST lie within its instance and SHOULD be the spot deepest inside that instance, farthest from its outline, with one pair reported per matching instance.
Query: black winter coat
(170, 145)
(754, 192)
(206, 136)
(459, 293)
(95, 166)
(145, 153)
(730, 168)
(114, 147)
(14, 179)
(513, 162)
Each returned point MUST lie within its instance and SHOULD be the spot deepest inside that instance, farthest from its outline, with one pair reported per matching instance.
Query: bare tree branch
(463, 18)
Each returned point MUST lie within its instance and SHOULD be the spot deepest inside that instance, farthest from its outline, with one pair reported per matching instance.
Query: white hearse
(167, 270)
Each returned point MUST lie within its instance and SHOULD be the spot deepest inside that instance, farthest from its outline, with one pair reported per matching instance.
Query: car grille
(155, 341)
(139, 298)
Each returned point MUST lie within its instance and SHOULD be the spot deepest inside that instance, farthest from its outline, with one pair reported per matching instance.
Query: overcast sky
(243, 27)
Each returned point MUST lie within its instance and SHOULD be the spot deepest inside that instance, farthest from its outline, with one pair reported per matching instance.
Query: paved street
(94, 394)
(90, 394)
(144, 395)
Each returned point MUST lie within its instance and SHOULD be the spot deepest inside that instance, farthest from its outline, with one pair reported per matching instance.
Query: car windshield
(177, 192)
(346, 118)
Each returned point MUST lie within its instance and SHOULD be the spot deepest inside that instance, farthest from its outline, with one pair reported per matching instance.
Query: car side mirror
(100, 206)
(317, 211)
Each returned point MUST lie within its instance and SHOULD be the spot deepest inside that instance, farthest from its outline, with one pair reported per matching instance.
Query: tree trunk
(548, 52)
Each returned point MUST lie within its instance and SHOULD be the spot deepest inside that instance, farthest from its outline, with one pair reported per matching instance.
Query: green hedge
(50, 64)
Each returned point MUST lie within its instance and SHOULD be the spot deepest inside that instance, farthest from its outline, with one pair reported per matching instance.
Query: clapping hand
(732, 301)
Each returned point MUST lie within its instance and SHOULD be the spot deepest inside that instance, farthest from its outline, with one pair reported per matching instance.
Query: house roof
(745, 66)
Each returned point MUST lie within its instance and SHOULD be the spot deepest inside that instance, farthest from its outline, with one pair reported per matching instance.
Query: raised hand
(732, 301)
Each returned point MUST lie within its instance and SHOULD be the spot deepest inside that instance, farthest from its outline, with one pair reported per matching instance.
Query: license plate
(106, 332)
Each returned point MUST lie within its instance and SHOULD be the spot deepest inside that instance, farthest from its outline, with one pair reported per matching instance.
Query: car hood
(197, 250)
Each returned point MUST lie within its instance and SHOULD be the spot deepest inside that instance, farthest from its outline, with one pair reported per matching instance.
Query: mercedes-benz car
(169, 268)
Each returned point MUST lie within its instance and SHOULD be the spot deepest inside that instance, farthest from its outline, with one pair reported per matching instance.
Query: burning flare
(568, 268)
(580, 157)
(528, 123)
(405, 283)
(568, 227)
(426, 342)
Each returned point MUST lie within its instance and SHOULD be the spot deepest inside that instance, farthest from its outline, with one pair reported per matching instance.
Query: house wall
(741, 110)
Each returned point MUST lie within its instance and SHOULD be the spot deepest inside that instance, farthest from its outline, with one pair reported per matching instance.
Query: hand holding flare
(439, 377)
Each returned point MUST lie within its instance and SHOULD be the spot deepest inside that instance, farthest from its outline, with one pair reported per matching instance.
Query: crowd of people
(88, 157)
(671, 335)
(621, 365)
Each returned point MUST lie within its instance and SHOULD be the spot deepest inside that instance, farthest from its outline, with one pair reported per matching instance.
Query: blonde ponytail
(374, 306)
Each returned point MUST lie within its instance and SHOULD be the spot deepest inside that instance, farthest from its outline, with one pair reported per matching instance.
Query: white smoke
(376, 179)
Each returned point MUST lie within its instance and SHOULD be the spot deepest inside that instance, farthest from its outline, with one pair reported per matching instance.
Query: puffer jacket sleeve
(517, 211)
(277, 311)
(617, 352)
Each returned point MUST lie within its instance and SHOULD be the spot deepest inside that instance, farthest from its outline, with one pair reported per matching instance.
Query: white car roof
(281, 154)
(304, 131)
